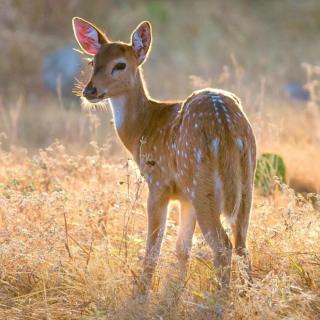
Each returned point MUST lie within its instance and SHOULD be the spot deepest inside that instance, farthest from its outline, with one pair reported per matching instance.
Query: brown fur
(200, 151)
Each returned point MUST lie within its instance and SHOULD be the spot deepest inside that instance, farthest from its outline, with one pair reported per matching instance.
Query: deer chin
(93, 104)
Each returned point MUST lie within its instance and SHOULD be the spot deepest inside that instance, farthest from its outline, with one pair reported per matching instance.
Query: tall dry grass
(73, 233)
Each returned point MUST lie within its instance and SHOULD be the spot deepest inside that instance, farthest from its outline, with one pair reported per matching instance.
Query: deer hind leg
(186, 229)
(208, 209)
(240, 224)
(240, 229)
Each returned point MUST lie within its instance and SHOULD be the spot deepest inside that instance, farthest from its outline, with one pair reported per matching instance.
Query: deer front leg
(157, 215)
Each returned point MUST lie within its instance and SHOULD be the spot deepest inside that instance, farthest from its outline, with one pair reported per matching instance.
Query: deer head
(114, 63)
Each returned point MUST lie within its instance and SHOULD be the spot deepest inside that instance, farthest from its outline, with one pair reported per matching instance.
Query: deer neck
(131, 113)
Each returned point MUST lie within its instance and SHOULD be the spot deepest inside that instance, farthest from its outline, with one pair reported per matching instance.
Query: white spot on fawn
(215, 145)
(240, 143)
(217, 183)
(198, 155)
(220, 100)
(218, 190)
(216, 99)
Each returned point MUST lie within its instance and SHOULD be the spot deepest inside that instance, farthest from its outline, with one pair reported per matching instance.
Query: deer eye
(118, 67)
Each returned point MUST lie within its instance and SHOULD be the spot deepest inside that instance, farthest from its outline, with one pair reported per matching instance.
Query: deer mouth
(102, 96)
(97, 99)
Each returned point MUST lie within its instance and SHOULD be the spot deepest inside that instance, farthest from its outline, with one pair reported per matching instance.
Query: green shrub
(269, 165)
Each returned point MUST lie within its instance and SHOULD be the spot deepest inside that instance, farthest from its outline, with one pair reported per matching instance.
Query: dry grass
(72, 236)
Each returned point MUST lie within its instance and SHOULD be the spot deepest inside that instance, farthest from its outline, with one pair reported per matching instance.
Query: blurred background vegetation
(267, 52)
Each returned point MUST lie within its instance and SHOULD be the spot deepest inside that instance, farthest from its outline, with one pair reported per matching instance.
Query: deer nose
(90, 92)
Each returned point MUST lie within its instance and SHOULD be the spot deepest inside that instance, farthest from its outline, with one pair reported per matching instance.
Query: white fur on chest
(118, 108)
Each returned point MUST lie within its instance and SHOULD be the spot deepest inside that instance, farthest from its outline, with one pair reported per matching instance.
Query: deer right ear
(89, 37)
(141, 40)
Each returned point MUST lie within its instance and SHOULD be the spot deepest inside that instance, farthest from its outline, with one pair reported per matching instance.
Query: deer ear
(141, 40)
(89, 37)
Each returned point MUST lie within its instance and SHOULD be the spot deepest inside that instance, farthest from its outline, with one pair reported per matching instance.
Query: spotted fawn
(200, 151)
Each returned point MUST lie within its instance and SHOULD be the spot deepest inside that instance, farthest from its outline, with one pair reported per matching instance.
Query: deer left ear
(89, 37)
(141, 40)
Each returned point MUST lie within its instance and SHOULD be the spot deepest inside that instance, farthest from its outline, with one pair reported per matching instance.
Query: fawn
(200, 151)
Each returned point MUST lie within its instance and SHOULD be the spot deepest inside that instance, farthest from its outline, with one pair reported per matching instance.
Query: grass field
(73, 231)
(73, 204)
